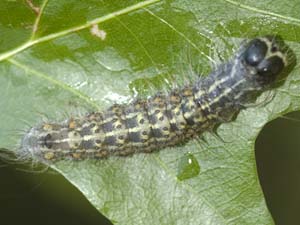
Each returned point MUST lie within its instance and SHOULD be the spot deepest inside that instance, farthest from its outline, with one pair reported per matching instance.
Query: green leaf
(55, 61)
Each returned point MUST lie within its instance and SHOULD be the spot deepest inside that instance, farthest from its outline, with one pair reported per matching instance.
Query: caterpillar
(164, 120)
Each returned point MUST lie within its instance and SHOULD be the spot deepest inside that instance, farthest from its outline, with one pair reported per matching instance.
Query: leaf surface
(70, 57)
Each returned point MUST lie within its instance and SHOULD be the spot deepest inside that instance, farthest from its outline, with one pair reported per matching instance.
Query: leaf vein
(55, 82)
(37, 20)
(254, 9)
(181, 34)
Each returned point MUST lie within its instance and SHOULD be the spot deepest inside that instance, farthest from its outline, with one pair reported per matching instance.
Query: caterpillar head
(266, 57)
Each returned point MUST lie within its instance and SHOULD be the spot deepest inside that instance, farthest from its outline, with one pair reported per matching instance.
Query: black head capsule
(256, 52)
(266, 56)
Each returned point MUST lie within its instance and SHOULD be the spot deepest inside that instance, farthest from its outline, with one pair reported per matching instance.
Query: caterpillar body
(164, 119)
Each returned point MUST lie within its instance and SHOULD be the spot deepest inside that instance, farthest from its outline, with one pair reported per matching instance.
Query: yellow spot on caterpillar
(102, 154)
(49, 155)
(47, 126)
(76, 155)
(72, 124)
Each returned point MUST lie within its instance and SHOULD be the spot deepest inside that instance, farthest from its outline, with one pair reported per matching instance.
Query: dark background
(278, 160)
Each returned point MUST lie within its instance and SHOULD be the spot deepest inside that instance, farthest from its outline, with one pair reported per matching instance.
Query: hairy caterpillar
(164, 120)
